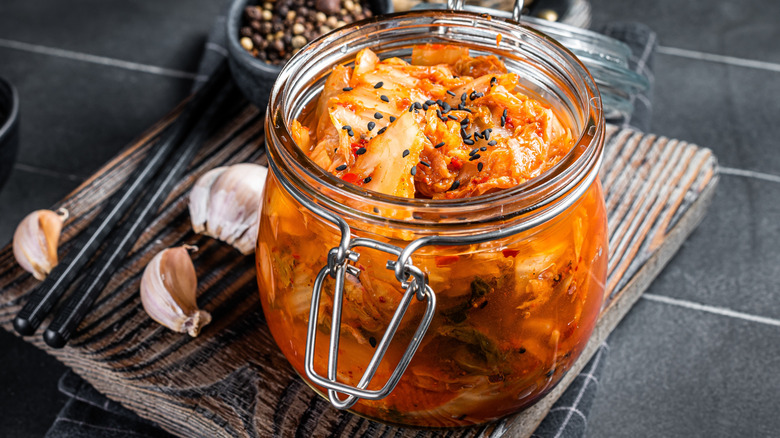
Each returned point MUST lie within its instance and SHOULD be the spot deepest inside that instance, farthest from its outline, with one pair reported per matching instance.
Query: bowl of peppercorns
(263, 35)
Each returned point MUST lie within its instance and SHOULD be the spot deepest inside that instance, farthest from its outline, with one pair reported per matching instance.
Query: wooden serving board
(232, 380)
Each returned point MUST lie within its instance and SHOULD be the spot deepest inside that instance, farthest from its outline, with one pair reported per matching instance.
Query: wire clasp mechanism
(415, 284)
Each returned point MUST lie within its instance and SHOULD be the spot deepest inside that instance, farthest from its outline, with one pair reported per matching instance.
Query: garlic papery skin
(168, 291)
(36, 240)
(225, 204)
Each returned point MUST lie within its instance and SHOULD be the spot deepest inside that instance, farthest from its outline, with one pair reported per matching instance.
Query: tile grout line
(42, 171)
(722, 59)
(749, 174)
(94, 59)
(722, 311)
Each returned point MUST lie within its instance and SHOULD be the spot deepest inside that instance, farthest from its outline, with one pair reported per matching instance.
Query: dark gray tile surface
(674, 372)
(745, 28)
(729, 109)
(75, 116)
(29, 399)
(166, 33)
(732, 259)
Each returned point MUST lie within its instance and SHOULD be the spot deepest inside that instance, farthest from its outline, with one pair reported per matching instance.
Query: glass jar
(490, 299)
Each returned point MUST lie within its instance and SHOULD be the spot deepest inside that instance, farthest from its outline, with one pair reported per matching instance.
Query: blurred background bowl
(255, 77)
(9, 128)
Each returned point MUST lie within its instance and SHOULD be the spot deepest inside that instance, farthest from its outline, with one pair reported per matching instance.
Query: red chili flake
(352, 178)
(455, 163)
(510, 125)
(357, 144)
(296, 256)
(446, 260)
(510, 252)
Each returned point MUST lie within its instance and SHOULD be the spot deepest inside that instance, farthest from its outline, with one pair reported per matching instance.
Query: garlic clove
(225, 204)
(36, 240)
(168, 291)
(199, 198)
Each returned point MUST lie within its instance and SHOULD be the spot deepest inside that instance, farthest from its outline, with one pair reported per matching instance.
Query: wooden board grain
(232, 380)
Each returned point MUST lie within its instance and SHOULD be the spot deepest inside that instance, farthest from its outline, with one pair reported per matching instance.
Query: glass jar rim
(288, 160)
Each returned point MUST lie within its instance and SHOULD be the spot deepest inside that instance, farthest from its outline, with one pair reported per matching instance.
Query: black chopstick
(122, 238)
(43, 298)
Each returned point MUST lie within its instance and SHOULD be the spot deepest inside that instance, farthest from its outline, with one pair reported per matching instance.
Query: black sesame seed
(492, 143)
(503, 121)
(367, 179)
(451, 93)
(455, 185)
(371, 126)
(351, 133)
(550, 373)
(360, 151)
(475, 157)
(342, 167)
(378, 116)
(465, 121)
(438, 145)
(384, 98)
(438, 113)
(463, 97)
(346, 128)
(417, 105)
(379, 84)
(425, 163)
(504, 113)
(425, 106)
(381, 131)
(405, 153)
(439, 102)
(411, 107)
(446, 107)
(392, 119)
(376, 210)
(473, 151)
(451, 117)
(346, 89)
(473, 95)
(493, 81)
(467, 110)
(430, 102)
(372, 341)
(463, 133)
(486, 133)
(414, 171)
(483, 148)
(477, 135)
(468, 141)
(478, 95)
(480, 166)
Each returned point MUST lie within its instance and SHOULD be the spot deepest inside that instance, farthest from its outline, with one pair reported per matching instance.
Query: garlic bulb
(225, 204)
(168, 289)
(36, 239)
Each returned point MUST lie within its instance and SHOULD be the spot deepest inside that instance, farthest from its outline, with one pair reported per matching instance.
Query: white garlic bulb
(225, 204)
(168, 291)
(36, 239)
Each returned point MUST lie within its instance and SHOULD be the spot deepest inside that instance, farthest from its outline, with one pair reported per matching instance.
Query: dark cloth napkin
(89, 413)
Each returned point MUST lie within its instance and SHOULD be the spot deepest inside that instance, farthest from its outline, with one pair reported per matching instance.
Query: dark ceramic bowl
(9, 128)
(253, 76)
